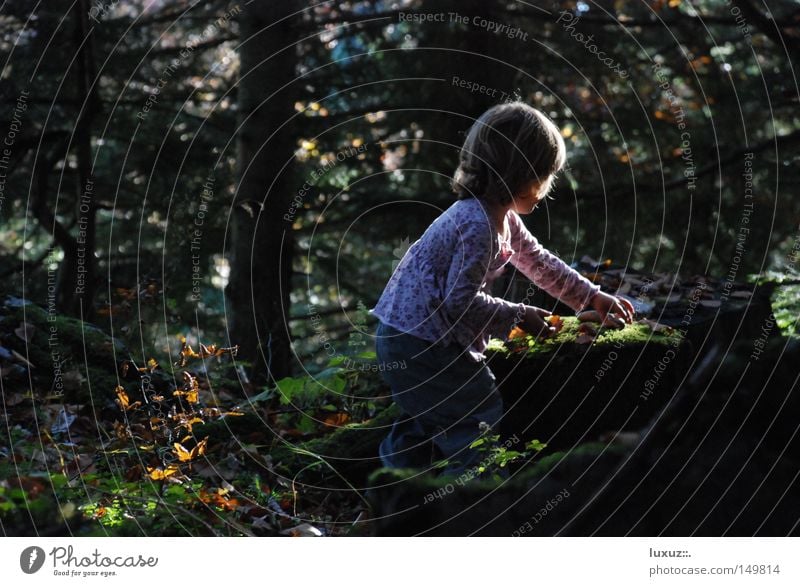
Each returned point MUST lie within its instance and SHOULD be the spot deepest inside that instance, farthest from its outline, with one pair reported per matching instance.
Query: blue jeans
(444, 396)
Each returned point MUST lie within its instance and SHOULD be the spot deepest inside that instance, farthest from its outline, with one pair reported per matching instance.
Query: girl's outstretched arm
(547, 271)
(464, 300)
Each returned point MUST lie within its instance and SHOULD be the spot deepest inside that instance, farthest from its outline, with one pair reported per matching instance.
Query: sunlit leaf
(162, 473)
(205, 352)
(183, 454)
(190, 389)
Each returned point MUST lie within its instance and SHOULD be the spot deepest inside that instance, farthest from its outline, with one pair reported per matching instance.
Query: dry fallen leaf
(162, 473)
(190, 389)
(123, 400)
(336, 419)
(517, 333)
(185, 455)
(205, 352)
(218, 498)
(25, 331)
(555, 321)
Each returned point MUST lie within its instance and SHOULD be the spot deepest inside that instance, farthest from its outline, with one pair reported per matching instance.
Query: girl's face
(530, 195)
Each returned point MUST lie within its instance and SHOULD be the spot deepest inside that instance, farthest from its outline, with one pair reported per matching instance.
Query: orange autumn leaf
(217, 499)
(152, 365)
(200, 448)
(190, 389)
(182, 420)
(122, 397)
(185, 455)
(336, 419)
(517, 333)
(127, 294)
(555, 321)
(123, 400)
(162, 473)
(210, 351)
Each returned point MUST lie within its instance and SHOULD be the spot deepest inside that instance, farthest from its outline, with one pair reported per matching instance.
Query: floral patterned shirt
(441, 289)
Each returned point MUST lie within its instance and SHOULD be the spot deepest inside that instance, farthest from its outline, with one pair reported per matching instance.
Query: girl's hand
(606, 304)
(534, 323)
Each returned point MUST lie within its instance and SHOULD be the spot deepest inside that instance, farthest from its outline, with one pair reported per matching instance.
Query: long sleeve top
(441, 289)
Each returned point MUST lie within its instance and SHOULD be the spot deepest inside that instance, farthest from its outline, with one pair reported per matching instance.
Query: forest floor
(95, 444)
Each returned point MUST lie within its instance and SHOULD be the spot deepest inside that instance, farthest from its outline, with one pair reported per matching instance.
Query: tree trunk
(262, 242)
(76, 279)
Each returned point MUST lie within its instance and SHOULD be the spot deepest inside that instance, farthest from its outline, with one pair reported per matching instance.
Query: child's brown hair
(509, 146)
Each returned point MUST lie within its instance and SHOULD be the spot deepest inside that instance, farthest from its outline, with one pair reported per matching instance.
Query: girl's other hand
(534, 323)
(604, 304)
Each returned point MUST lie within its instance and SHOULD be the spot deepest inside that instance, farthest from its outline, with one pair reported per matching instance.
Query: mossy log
(721, 458)
(537, 499)
(564, 393)
(68, 357)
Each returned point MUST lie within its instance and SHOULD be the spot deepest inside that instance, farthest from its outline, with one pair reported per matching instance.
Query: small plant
(496, 455)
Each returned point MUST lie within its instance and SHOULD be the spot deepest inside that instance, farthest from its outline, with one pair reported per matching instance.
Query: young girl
(437, 313)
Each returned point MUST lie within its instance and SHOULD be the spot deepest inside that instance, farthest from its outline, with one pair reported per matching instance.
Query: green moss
(538, 468)
(78, 346)
(351, 450)
(545, 464)
(786, 308)
(631, 334)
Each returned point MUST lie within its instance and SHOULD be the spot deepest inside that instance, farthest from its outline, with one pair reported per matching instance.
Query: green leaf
(478, 442)
(306, 424)
(328, 373)
(289, 388)
(535, 445)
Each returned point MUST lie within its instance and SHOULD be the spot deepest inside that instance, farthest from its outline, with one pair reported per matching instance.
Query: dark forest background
(249, 173)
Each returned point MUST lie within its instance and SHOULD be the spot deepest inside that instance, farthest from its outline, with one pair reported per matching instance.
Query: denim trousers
(444, 396)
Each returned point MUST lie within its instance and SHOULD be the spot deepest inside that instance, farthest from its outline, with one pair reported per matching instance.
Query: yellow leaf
(123, 400)
(122, 397)
(191, 389)
(183, 454)
(162, 473)
(200, 448)
(205, 352)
